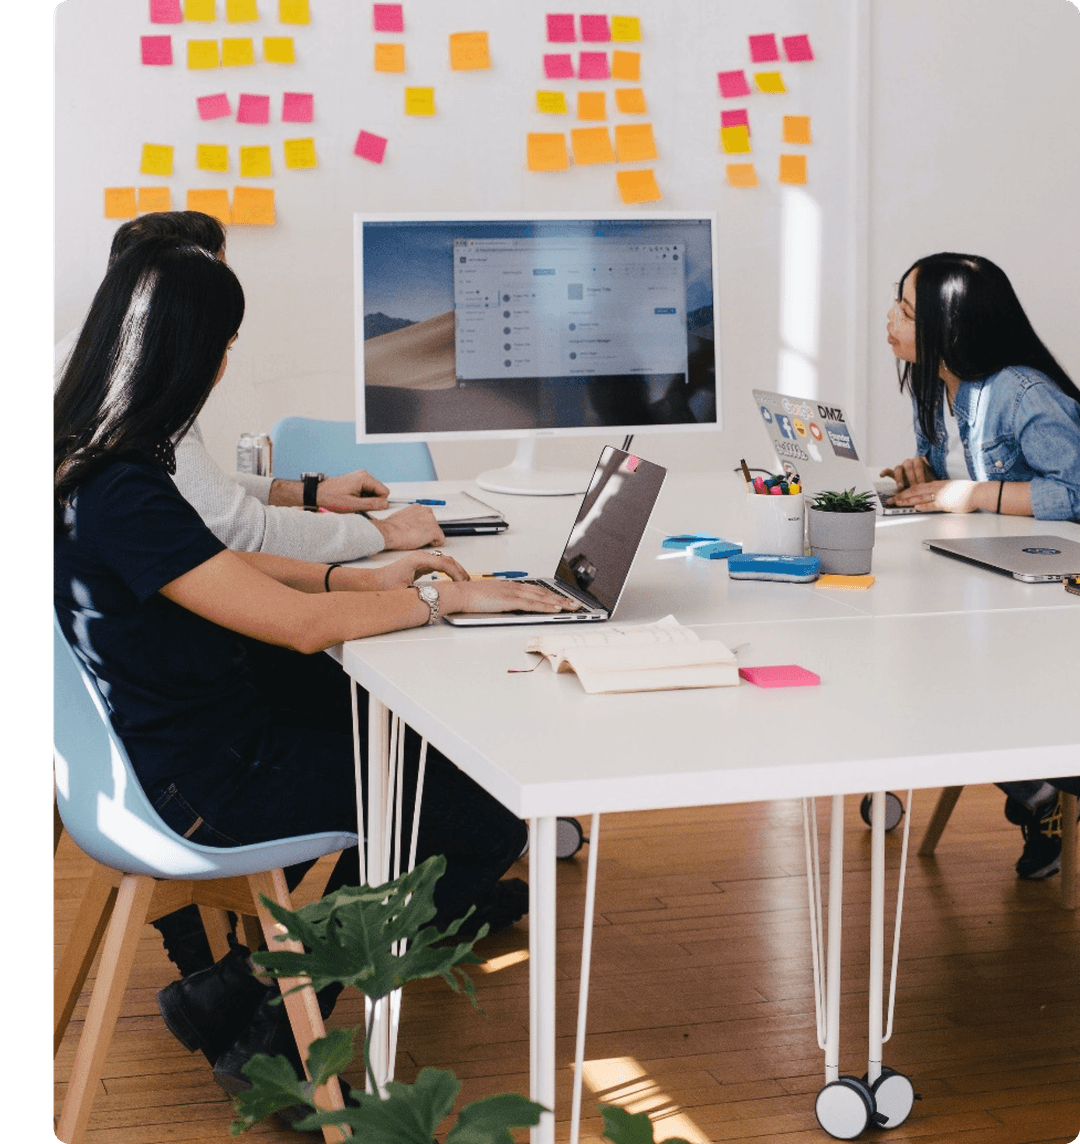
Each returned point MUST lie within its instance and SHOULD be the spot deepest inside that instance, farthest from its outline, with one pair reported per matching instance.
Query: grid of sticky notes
(591, 48)
(766, 51)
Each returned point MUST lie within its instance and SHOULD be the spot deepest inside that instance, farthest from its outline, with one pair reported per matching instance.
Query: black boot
(208, 1010)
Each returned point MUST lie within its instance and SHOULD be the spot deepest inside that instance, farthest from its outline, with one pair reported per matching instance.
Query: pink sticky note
(797, 49)
(166, 12)
(560, 28)
(733, 84)
(559, 67)
(156, 49)
(297, 107)
(253, 109)
(214, 106)
(595, 29)
(593, 65)
(763, 48)
(370, 147)
(781, 675)
(737, 117)
(388, 18)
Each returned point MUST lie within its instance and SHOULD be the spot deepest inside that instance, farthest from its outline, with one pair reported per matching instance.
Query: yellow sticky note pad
(631, 101)
(253, 206)
(212, 157)
(212, 202)
(120, 202)
(389, 57)
(294, 12)
(770, 82)
(634, 142)
(419, 101)
(796, 128)
(625, 29)
(237, 53)
(741, 175)
(551, 102)
(153, 199)
(469, 51)
(792, 168)
(626, 65)
(255, 162)
(591, 145)
(638, 186)
(735, 140)
(279, 50)
(547, 151)
(591, 105)
(202, 54)
(241, 11)
(157, 159)
(300, 154)
(203, 11)
(831, 580)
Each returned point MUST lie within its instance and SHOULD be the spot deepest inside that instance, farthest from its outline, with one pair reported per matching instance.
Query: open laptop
(1033, 559)
(596, 562)
(813, 438)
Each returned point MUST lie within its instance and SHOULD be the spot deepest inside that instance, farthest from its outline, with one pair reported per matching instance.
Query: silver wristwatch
(430, 595)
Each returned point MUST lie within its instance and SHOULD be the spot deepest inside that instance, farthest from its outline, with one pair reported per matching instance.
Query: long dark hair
(181, 226)
(968, 317)
(145, 361)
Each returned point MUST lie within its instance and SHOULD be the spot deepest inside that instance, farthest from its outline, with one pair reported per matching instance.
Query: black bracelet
(326, 578)
(1001, 489)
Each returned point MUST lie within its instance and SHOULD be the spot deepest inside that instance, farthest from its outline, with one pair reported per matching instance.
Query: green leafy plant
(847, 501)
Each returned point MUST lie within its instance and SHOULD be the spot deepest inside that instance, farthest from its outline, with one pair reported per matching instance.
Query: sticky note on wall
(551, 103)
(741, 175)
(591, 145)
(156, 50)
(626, 65)
(388, 17)
(593, 65)
(638, 186)
(797, 49)
(796, 128)
(255, 162)
(546, 151)
(210, 201)
(203, 54)
(300, 154)
(631, 101)
(793, 169)
(241, 11)
(157, 159)
(203, 11)
(253, 108)
(279, 50)
(634, 142)
(625, 29)
(120, 202)
(214, 106)
(212, 157)
(166, 12)
(560, 28)
(771, 83)
(736, 117)
(253, 206)
(763, 49)
(469, 51)
(733, 84)
(390, 57)
(237, 52)
(297, 107)
(294, 12)
(595, 30)
(559, 66)
(591, 105)
(419, 101)
(735, 140)
(371, 147)
(152, 199)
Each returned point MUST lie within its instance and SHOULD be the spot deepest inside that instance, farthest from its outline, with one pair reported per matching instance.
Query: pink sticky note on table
(733, 84)
(388, 18)
(214, 106)
(595, 29)
(297, 107)
(166, 12)
(559, 67)
(763, 48)
(370, 147)
(593, 65)
(797, 49)
(560, 28)
(253, 109)
(736, 117)
(780, 675)
(156, 50)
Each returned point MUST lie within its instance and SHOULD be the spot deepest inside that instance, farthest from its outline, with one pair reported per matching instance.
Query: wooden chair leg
(216, 924)
(117, 956)
(1069, 852)
(945, 803)
(251, 929)
(57, 826)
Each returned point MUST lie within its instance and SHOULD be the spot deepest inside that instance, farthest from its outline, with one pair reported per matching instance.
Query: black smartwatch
(311, 489)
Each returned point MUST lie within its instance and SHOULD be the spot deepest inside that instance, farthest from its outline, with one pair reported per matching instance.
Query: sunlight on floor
(622, 1081)
(494, 964)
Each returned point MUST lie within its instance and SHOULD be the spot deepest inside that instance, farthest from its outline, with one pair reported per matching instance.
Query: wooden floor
(702, 1005)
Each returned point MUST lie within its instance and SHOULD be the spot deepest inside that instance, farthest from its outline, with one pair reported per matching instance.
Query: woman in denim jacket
(997, 420)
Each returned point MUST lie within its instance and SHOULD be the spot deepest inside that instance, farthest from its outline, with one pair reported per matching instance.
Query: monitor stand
(522, 478)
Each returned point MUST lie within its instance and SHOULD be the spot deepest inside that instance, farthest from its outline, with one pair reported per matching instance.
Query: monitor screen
(516, 326)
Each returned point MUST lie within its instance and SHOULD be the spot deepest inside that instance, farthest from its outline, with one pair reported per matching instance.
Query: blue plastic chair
(308, 445)
(143, 871)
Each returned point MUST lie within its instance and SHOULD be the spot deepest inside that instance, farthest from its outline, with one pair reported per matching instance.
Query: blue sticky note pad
(765, 566)
(717, 550)
(684, 540)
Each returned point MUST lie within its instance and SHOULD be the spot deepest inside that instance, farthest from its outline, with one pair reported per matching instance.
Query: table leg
(583, 984)
(877, 932)
(833, 941)
(542, 974)
(374, 842)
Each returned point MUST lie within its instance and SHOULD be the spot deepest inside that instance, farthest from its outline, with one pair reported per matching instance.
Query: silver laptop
(1033, 559)
(814, 439)
(596, 561)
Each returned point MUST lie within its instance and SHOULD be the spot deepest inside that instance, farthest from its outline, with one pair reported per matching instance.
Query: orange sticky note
(120, 202)
(419, 101)
(294, 12)
(203, 11)
(237, 53)
(551, 102)
(591, 105)
(626, 65)
(153, 199)
(469, 51)
(638, 186)
(300, 154)
(796, 128)
(591, 145)
(772, 83)
(547, 151)
(202, 54)
(631, 101)
(792, 168)
(253, 206)
(212, 157)
(625, 29)
(213, 202)
(634, 142)
(279, 50)
(157, 159)
(255, 163)
(741, 175)
(241, 11)
(735, 140)
(389, 57)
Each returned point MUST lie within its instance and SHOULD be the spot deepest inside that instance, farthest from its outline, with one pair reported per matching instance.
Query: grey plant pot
(842, 541)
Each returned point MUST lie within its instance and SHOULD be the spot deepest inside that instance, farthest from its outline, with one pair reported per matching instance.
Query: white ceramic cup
(774, 524)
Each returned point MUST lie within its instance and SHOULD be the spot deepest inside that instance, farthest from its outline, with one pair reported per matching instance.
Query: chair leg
(216, 924)
(945, 803)
(117, 956)
(57, 827)
(1069, 853)
(252, 931)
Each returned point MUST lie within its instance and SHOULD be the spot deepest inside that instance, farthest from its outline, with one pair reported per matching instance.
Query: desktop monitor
(532, 326)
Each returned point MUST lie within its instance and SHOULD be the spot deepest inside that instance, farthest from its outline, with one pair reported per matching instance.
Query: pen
(746, 472)
(423, 500)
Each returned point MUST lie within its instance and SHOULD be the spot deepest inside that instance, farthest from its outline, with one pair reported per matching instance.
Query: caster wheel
(894, 810)
(894, 1096)
(569, 837)
(845, 1108)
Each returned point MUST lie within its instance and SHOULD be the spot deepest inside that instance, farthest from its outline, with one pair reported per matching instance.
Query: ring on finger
(435, 552)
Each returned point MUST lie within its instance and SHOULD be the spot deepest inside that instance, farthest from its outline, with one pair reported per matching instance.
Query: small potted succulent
(841, 531)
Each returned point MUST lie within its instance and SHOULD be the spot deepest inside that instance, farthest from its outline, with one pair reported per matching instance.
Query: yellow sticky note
(792, 168)
(551, 102)
(204, 11)
(202, 54)
(212, 202)
(591, 105)
(237, 53)
(294, 12)
(153, 199)
(419, 101)
(626, 65)
(157, 159)
(469, 51)
(741, 175)
(547, 151)
(796, 128)
(625, 29)
(212, 157)
(120, 202)
(638, 186)
(735, 140)
(279, 50)
(389, 57)
(634, 142)
(631, 101)
(300, 154)
(591, 145)
(770, 82)
(255, 162)
(241, 11)
(253, 206)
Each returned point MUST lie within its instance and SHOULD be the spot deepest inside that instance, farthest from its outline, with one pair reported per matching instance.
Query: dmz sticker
(840, 439)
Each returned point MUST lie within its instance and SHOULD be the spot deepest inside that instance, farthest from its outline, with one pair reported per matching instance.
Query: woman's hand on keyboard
(501, 596)
(403, 572)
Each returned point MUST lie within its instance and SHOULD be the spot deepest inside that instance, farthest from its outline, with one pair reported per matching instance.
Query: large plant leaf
(622, 1127)
(274, 1086)
(489, 1121)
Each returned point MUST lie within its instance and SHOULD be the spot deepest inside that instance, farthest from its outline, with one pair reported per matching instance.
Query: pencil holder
(774, 525)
